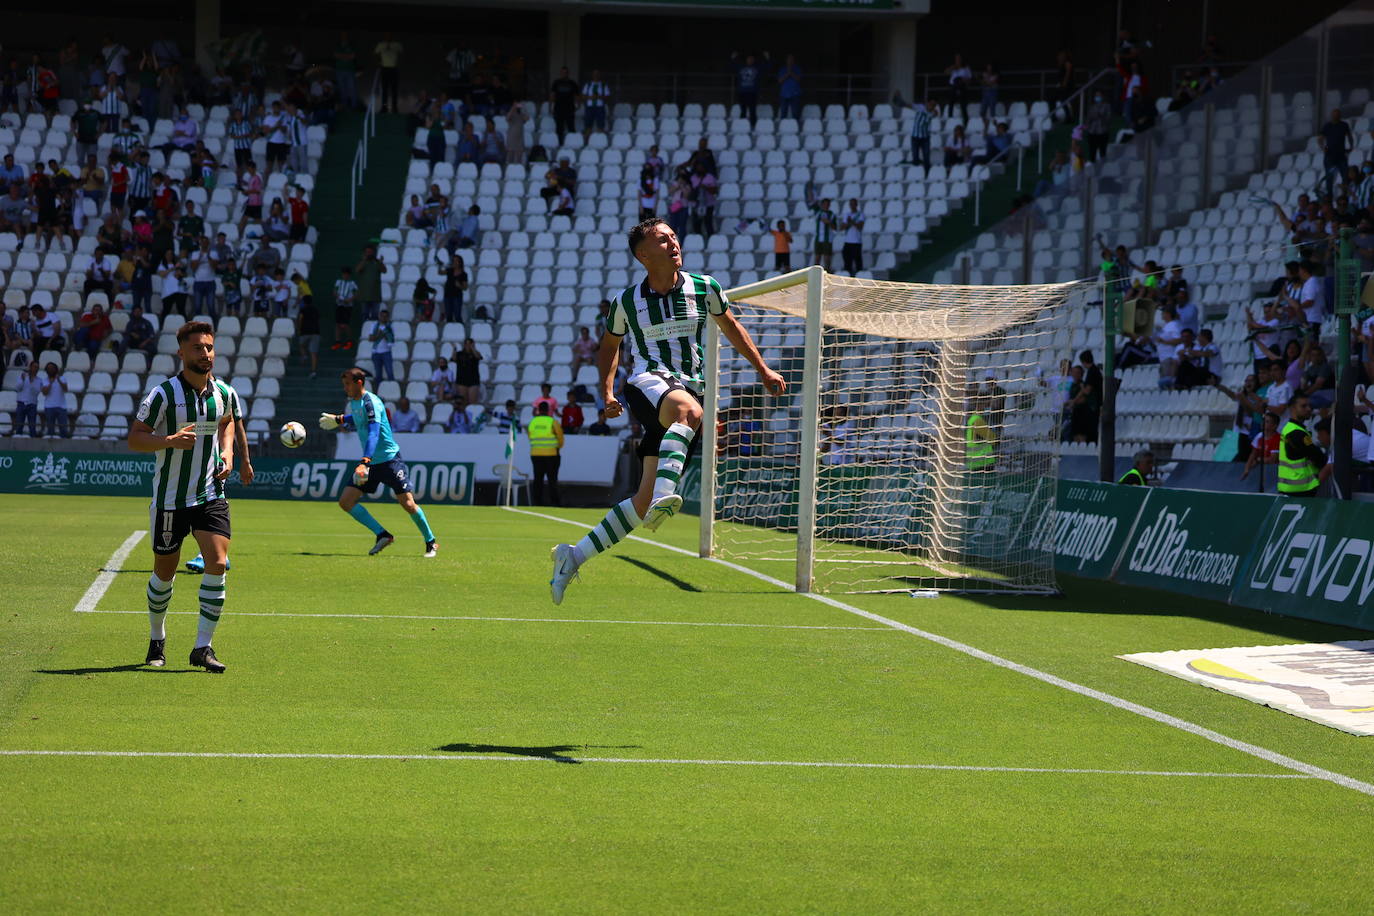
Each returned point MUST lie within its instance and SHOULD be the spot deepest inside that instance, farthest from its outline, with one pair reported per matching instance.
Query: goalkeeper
(381, 462)
(664, 317)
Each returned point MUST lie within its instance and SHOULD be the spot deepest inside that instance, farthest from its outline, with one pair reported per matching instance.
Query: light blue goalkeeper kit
(367, 417)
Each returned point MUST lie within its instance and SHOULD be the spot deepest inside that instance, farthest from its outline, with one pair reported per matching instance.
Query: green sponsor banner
(1191, 541)
(1312, 558)
(87, 474)
(690, 486)
(1090, 524)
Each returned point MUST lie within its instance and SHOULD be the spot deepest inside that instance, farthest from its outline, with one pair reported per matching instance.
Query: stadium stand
(103, 391)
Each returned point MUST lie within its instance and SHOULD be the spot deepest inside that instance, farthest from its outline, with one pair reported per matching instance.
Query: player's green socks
(620, 521)
(159, 594)
(211, 606)
(418, 517)
(365, 518)
(672, 454)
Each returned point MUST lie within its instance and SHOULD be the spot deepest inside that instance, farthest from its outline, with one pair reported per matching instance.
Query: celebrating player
(381, 462)
(664, 317)
(188, 421)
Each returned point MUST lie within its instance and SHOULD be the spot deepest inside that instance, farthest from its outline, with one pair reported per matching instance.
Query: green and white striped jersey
(184, 478)
(665, 331)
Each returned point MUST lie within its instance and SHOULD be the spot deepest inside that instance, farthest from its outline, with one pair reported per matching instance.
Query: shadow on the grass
(555, 752)
(115, 669)
(665, 576)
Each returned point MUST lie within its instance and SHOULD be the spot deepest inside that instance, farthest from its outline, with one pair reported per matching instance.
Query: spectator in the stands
(98, 279)
(493, 147)
(383, 336)
(563, 94)
(563, 202)
(997, 143)
(782, 247)
(436, 148)
(824, 237)
(469, 231)
(19, 336)
(1310, 301)
(1092, 373)
(515, 134)
(506, 417)
(957, 150)
(1279, 392)
(1098, 125)
(442, 381)
(749, 75)
(1337, 142)
(584, 349)
(1136, 350)
(403, 419)
(1169, 340)
(596, 100)
(1186, 309)
(702, 156)
(367, 273)
(92, 328)
(111, 100)
(647, 193)
(15, 211)
(546, 397)
(388, 53)
(308, 333)
(572, 417)
(852, 227)
(1264, 334)
(28, 397)
(789, 89)
(960, 76)
(416, 217)
(1084, 408)
(467, 367)
(469, 148)
(989, 79)
(422, 296)
(455, 287)
(459, 421)
(250, 185)
(1318, 378)
(680, 203)
(345, 295)
(599, 427)
(705, 190)
(47, 330)
(54, 391)
(1264, 445)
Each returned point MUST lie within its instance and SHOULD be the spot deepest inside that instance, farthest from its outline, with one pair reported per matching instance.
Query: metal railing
(359, 166)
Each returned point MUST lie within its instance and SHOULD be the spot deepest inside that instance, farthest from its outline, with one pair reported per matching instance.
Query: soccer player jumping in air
(664, 317)
(381, 462)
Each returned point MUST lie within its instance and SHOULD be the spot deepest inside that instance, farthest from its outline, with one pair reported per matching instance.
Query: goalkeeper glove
(329, 421)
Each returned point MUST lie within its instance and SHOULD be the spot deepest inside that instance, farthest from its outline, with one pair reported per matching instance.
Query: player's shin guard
(672, 454)
(364, 518)
(159, 594)
(418, 517)
(620, 521)
(211, 606)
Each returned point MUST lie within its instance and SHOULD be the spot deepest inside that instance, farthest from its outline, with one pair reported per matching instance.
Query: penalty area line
(1163, 718)
(107, 574)
(660, 761)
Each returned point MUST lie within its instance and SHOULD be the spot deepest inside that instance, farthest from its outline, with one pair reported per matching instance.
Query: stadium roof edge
(844, 9)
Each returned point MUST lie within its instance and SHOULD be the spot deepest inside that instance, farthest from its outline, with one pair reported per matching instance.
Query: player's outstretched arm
(607, 361)
(739, 338)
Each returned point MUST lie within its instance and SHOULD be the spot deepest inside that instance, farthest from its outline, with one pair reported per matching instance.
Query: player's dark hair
(542, 408)
(1295, 399)
(194, 327)
(355, 374)
(641, 229)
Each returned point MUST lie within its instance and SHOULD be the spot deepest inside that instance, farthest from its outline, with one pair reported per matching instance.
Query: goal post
(916, 447)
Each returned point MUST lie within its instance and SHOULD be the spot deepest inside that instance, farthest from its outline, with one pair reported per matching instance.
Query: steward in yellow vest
(1300, 460)
(546, 438)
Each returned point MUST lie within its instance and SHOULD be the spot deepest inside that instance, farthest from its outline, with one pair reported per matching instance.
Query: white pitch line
(662, 761)
(648, 623)
(107, 573)
(1254, 750)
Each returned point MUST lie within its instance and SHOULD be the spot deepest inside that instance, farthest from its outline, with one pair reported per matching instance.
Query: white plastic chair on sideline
(519, 480)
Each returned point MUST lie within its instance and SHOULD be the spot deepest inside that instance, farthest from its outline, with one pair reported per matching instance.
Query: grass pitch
(650, 745)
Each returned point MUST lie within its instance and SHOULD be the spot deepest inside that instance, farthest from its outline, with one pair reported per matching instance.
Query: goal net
(916, 447)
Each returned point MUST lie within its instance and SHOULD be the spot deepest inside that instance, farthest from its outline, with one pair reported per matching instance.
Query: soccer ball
(292, 435)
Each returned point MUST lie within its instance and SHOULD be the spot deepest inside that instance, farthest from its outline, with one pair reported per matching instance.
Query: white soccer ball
(292, 435)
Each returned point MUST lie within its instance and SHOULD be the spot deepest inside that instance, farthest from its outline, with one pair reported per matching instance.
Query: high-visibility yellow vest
(1133, 477)
(1296, 475)
(543, 440)
(977, 452)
